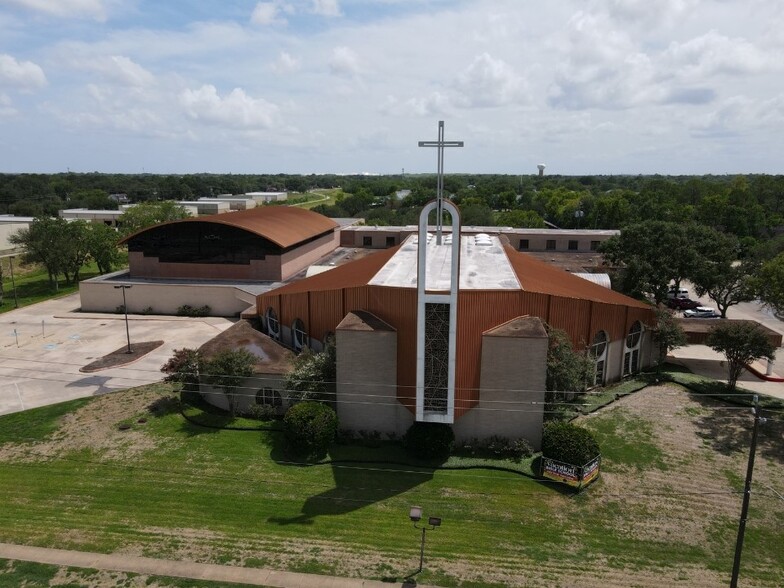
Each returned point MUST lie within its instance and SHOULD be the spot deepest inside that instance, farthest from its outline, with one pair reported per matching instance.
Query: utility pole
(746, 495)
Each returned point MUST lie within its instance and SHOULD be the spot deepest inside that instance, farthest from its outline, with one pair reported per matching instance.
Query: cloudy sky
(350, 86)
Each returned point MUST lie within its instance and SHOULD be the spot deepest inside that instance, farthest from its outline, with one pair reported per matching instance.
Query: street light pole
(415, 514)
(744, 511)
(124, 287)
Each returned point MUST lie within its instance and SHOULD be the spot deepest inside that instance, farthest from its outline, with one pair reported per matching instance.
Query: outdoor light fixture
(124, 287)
(415, 514)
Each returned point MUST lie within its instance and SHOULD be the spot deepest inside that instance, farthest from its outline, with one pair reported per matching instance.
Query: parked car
(678, 293)
(701, 312)
(682, 303)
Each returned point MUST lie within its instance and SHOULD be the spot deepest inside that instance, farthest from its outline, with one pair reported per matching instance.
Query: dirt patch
(121, 357)
(95, 427)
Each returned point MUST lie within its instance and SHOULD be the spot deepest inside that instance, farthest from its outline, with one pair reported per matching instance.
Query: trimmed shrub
(188, 310)
(568, 443)
(429, 440)
(310, 428)
(262, 412)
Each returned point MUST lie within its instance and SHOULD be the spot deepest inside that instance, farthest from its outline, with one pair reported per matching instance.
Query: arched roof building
(269, 243)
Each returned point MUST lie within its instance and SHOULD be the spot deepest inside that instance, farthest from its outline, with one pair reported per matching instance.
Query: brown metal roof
(538, 276)
(352, 274)
(283, 225)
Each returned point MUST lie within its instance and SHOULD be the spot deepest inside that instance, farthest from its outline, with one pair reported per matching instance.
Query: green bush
(262, 412)
(568, 443)
(429, 440)
(310, 428)
(188, 310)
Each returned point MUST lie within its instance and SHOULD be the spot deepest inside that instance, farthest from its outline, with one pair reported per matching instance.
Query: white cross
(440, 144)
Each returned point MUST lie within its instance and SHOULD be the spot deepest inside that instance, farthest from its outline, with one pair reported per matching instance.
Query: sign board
(571, 475)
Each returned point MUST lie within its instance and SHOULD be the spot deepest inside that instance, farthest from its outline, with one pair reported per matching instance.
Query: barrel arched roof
(285, 226)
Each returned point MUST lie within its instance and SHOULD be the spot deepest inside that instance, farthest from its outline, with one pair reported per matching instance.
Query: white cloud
(117, 68)
(326, 8)
(94, 9)
(344, 62)
(713, 53)
(433, 104)
(490, 82)
(266, 14)
(286, 63)
(236, 110)
(21, 75)
(740, 115)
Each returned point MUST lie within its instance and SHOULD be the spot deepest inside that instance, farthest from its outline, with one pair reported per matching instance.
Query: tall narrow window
(299, 337)
(631, 352)
(273, 326)
(550, 245)
(599, 357)
(436, 356)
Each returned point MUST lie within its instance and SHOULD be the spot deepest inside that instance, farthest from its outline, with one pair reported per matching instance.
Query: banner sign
(571, 475)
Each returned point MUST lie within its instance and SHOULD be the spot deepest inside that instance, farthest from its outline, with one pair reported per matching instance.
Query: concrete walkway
(185, 569)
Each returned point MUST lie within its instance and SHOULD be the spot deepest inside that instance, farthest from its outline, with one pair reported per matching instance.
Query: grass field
(32, 285)
(664, 511)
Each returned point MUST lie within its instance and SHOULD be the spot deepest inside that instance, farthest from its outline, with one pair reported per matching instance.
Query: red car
(682, 303)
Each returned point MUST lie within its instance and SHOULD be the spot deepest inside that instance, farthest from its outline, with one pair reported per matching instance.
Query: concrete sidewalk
(185, 569)
(704, 361)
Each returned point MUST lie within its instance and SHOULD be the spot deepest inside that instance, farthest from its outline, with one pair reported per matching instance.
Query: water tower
(541, 167)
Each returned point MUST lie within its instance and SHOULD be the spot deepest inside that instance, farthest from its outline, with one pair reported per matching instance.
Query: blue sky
(350, 86)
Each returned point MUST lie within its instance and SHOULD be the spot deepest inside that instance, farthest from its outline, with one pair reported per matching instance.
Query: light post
(124, 287)
(415, 514)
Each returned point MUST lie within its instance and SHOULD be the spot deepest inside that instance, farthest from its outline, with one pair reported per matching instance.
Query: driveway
(43, 346)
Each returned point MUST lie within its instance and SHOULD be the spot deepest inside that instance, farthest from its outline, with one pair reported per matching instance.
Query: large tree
(45, 241)
(650, 255)
(147, 214)
(741, 343)
(102, 245)
(769, 283)
(185, 367)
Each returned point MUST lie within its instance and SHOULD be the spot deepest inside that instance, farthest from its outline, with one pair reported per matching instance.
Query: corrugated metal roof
(538, 276)
(353, 274)
(283, 225)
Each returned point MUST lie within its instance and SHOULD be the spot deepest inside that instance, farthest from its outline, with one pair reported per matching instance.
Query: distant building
(261, 244)
(267, 197)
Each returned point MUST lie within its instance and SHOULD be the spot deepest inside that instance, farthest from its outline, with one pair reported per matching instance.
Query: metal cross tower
(440, 144)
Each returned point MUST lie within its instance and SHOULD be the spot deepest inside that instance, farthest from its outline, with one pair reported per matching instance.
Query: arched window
(299, 337)
(273, 325)
(631, 352)
(599, 356)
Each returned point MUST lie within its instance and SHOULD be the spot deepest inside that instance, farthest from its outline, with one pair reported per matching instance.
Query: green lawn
(168, 488)
(32, 286)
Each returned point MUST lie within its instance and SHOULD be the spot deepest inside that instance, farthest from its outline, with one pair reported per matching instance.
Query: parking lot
(43, 346)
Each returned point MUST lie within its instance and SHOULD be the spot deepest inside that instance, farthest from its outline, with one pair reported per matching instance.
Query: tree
(567, 370)
(715, 271)
(45, 241)
(314, 375)
(229, 370)
(741, 343)
(184, 367)
(651, 254)
(102, 246)
(75, 250)
(147, 214)
(769, 283)
(668, 332)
